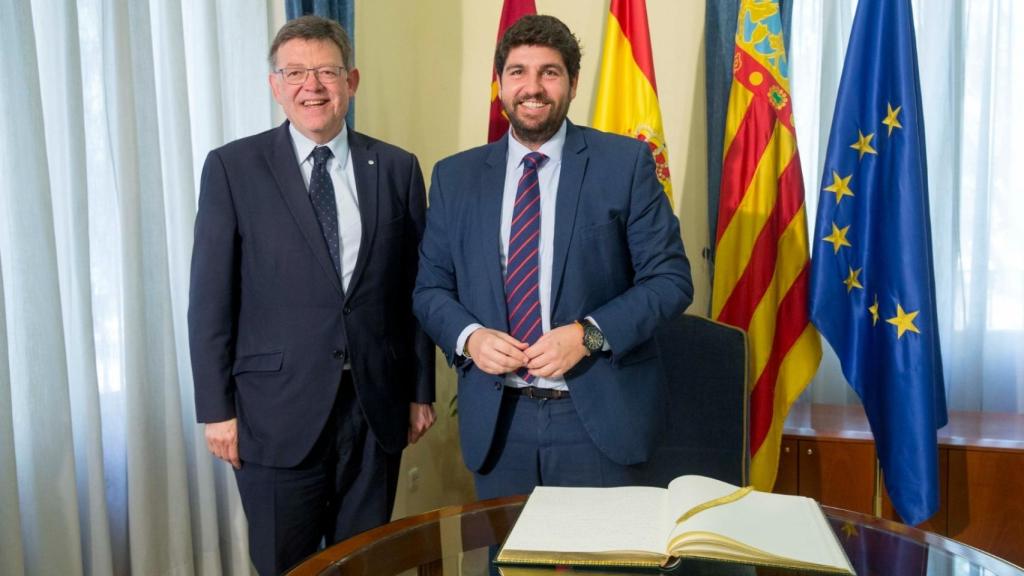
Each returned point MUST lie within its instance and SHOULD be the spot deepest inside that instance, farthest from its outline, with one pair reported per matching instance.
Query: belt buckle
(530, 392)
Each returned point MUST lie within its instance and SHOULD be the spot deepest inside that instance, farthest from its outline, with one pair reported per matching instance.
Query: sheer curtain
(970, 81)
(110, 109)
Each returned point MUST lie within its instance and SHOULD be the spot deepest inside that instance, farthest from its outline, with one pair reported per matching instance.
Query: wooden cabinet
(786, 480)
(828, 454)
(985, 506)
(835, 473)
(838, 473)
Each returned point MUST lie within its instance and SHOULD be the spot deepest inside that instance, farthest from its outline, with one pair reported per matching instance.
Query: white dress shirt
(350, 226)
(548, 178)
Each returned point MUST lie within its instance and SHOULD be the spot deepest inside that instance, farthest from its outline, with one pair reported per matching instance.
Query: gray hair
(313, 28)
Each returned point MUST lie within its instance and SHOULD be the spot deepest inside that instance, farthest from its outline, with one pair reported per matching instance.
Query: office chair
(704, 366)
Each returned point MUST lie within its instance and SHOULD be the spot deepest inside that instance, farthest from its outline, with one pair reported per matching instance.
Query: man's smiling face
(317, 110)
(535, 92)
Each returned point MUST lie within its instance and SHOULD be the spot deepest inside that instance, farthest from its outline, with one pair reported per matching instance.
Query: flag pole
(879, 487)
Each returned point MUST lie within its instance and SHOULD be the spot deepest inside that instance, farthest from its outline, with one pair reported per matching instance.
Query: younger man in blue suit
(311, 372)
(549, 259)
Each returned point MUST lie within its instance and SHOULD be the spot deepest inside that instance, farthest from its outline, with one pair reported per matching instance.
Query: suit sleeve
(214, 295)
(436, 297)
(423, 391)
(662, 287)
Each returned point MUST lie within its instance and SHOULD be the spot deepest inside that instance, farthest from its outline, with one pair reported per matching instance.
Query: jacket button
(346, 310)
(338, 354)
(497, 385)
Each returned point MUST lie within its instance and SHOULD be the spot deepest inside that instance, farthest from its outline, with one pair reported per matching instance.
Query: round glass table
(457, 540)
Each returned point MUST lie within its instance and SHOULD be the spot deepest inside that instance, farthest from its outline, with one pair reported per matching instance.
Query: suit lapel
(365, 166)
(570, 183)
(492, 188)
(285, 168)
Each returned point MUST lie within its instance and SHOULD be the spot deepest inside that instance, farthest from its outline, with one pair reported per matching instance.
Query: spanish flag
(762, 264)
(627, 94)
(511, 11)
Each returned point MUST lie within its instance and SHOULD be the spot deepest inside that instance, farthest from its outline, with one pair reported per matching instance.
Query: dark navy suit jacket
(270, 328)
(618, 257)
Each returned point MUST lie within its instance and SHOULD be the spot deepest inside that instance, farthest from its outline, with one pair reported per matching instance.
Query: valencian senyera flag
(872, 278)
(627, 93)
(761, 257)
(511, 11)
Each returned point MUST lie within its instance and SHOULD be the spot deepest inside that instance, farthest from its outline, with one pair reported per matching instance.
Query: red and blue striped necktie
(522, 290)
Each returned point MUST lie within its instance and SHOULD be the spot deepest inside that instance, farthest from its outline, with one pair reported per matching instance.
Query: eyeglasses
(297, 74)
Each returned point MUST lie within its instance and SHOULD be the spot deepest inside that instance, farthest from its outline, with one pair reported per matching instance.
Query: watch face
(593, 339)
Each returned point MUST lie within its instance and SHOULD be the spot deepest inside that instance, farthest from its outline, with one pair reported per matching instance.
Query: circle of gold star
(892, 118)
(838, 238)
(863, 145)
(903, 321)
(840, 186)
(874, 311)
(853, 280)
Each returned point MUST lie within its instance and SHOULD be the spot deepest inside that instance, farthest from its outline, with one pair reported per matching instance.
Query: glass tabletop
(460, 540)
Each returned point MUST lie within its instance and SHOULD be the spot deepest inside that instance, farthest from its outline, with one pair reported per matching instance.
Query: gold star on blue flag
(895, 366)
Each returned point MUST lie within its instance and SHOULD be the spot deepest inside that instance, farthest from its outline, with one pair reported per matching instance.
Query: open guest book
(695, 517)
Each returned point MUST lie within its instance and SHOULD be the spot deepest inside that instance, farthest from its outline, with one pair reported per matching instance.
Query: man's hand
(556, 352)
(421, 418)
(495, 352)
(222, 441)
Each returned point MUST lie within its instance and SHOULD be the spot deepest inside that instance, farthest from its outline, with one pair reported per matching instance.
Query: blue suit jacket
(618, 257)
(270, 328)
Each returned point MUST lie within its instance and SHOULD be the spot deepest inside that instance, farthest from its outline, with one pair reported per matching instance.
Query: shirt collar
(552, 148)
(304, 146)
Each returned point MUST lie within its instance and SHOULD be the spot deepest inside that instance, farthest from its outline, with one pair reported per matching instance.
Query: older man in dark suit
(549, 260)
(311, 372)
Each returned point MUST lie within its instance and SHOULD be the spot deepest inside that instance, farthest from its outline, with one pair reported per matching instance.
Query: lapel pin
(370, 162)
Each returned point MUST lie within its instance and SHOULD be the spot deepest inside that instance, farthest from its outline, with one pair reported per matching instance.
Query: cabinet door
(786, 479)
(838, 473)
(985, 506)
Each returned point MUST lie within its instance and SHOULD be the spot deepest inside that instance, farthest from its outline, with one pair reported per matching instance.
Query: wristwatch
(593, 338)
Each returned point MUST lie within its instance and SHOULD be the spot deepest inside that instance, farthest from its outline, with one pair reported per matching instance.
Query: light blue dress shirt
(548, 177)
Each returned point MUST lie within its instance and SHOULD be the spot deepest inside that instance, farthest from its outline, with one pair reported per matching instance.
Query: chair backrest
(704, 366)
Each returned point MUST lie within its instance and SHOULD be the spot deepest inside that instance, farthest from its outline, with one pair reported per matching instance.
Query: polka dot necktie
(522, 289)
(321, 194)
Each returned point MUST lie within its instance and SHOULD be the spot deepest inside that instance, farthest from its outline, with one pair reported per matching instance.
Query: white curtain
(108, 112)
(972, 79)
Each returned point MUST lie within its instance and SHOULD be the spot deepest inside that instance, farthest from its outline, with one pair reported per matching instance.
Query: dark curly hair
(540, 30)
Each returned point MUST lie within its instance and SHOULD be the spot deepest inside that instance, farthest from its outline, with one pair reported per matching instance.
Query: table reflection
(460, 540)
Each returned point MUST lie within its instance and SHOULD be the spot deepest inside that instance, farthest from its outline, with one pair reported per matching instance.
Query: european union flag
(872, 280)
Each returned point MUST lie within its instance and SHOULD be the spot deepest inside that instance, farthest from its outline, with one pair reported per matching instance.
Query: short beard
(540, 134)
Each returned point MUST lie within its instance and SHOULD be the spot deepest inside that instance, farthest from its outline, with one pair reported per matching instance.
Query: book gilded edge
(646, 560)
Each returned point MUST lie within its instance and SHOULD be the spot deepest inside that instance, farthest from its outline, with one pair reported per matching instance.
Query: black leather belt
(534, 392)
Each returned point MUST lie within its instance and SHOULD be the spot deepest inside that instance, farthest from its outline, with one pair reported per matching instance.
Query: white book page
(631, 518)
(686, 492)
(787, 526)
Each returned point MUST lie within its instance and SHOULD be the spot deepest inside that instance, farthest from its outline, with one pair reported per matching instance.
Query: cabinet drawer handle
(786, 449)
(810, 452)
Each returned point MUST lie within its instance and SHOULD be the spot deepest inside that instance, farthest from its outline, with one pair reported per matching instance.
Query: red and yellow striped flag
(627, 94)
(762, 264)
(511, 11)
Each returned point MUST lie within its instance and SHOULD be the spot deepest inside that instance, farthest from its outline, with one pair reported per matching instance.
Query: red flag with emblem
(512, 11)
